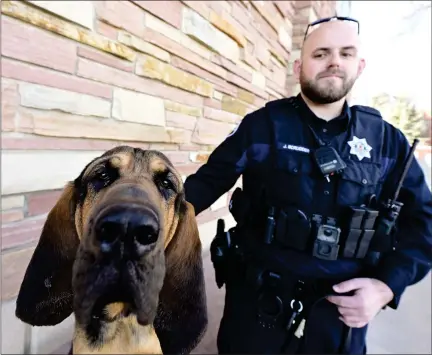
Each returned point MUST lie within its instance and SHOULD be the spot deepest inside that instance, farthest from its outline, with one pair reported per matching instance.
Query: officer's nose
(335, 60)
(129, 231)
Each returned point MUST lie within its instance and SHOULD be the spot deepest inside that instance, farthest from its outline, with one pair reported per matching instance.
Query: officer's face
(330, 62)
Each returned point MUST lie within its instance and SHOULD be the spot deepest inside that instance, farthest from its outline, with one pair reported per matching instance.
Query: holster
(226, 254)
(240, 206)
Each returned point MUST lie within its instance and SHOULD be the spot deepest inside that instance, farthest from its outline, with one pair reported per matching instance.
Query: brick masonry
(76, 82)
(177, 78)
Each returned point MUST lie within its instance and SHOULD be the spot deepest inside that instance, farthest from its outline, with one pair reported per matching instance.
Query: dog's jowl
(121, 251)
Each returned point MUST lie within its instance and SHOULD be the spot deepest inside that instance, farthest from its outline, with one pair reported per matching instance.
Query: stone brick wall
(81, 77)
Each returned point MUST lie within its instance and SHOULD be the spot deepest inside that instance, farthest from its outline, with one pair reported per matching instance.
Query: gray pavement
(408, 329)
(426, 165)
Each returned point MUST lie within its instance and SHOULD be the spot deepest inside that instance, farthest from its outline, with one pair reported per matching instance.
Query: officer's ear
(297, 68)
(361, 66)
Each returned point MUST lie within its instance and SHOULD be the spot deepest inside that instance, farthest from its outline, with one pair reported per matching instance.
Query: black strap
(293, 346)
(317, 138)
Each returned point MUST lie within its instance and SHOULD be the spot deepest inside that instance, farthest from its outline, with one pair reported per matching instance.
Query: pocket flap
(294, 162)
(365, 174)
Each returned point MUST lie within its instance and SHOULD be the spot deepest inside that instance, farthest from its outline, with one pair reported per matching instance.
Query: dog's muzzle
(121, 258)
(126, 231)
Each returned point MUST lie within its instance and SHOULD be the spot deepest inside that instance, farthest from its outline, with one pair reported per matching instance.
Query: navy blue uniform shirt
(245, 152)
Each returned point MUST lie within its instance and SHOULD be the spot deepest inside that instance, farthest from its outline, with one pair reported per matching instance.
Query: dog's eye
(166, 184)
(100, 180)
(103, 178)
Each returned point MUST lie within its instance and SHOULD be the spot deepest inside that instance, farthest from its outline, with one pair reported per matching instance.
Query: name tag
(296, 148)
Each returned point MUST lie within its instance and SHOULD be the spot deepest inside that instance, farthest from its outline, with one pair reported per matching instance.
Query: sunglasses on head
(328, 19)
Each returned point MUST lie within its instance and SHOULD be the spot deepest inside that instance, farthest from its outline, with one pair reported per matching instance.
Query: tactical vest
(295, 184)
(297, 180)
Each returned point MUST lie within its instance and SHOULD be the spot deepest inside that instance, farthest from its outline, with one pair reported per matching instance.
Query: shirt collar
(344, 118)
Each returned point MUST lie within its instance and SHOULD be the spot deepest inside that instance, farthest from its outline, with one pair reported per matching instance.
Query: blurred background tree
(397, 78)
(418, 12)
(401, 112)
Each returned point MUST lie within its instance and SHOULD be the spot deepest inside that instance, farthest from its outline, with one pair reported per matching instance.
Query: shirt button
(325, 130)
(364, 181)
(295, 170)
(326, 192)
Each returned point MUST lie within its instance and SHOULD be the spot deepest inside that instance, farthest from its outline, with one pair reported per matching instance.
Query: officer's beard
(325, 95)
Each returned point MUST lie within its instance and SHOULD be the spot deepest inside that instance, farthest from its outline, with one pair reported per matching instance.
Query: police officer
(315, 256)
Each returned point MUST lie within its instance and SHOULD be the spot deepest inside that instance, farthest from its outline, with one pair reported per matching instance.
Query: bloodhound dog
(120, 249)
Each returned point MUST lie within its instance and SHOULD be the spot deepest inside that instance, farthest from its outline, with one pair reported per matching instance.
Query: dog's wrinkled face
(120, 248)
(125, 216)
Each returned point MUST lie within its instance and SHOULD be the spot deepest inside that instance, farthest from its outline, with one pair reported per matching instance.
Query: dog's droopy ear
(45, 296)
(182, 314)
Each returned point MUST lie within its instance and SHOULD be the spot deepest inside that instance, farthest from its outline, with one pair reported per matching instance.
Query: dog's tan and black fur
(136, 290)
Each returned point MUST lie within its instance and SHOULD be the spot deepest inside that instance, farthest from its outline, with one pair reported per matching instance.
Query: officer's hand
(370, 296)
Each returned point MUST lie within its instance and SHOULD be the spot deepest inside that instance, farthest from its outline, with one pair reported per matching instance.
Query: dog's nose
(134, 227)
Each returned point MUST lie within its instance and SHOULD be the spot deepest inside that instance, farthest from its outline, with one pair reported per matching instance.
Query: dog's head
(120, 240)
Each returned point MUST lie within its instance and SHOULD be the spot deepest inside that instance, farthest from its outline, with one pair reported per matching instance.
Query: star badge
(360, 148)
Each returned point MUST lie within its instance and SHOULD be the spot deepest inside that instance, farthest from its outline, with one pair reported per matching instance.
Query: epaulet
(367, 109)
(281, 102)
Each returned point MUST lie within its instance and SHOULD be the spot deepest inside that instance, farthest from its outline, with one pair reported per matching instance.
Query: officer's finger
(348, 312)
(353, 322)
(350, 285)
(344, 301)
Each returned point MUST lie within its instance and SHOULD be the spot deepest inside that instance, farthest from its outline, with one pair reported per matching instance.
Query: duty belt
(325, 237)
(360, 232)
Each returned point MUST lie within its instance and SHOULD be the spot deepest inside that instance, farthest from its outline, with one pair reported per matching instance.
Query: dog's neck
(123, 336)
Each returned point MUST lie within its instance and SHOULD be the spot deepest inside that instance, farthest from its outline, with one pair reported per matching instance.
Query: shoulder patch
(367, 109)
(278, 102)
(234, 130)
(281, 105)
